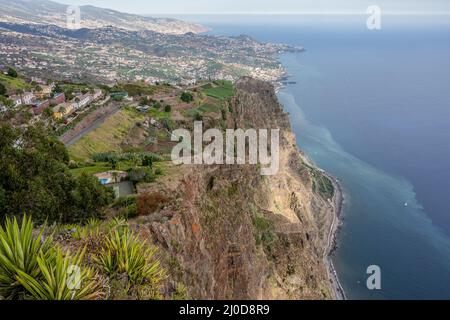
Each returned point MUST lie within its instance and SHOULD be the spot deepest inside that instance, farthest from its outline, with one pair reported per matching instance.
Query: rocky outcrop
(229, 233)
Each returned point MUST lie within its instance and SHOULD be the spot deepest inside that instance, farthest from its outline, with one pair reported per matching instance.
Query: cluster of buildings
(105, 56)
(66, 108)
(46, 98)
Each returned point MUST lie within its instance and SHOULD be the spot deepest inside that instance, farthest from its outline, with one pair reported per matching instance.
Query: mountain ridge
(50, 12)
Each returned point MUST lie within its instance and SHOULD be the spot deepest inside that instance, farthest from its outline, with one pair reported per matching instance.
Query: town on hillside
(119, 134)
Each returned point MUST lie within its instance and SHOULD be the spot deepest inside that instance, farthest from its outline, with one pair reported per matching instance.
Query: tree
(2, 90)
(35, 179)
(57, 89)
(48, 113)
(12, 72)
(168, 108)
(144, 101)
(6, 102)
(115, 175)
(113, 161)
(90, 196)
(187, 97)
(147, 161)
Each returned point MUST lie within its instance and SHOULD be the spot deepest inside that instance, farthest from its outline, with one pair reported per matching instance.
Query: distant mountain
(53, 13)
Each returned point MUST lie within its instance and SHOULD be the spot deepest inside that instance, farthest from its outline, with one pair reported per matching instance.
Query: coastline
(337, 203)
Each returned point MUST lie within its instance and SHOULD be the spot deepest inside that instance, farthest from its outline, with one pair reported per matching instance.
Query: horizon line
(400, 13)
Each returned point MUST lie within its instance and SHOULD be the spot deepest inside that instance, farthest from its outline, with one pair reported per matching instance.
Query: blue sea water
(373, 109)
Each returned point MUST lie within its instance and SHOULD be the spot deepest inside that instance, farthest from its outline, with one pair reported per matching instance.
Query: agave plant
(33, 267)
(18, 254)
(118, 223)
(63, 278)
(126, 253)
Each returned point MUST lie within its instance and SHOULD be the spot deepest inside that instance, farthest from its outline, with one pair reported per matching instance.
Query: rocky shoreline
(337, 202)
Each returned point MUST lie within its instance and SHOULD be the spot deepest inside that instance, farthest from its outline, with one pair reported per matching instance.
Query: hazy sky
(266, 6)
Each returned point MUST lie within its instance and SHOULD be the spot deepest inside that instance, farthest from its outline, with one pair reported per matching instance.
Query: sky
(268, 6)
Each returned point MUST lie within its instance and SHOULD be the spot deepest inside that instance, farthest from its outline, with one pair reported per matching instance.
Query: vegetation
(32, 268)
(323, 185)
(263, 231)
(135, 89)
(12, 72)
(198, 113)
(187, 97)
(124, 253)
(2, 90)
(222, 90)
(148, 203)
(106, 138)
(34, 178)
(18, 250)
(61, 278)
(126, 156)
(13, 84)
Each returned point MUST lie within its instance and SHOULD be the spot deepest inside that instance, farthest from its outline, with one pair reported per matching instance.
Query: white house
(27, 98)
(84, 100)
(97, 94)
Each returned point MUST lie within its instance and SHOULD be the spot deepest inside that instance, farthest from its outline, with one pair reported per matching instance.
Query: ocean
(372, 108)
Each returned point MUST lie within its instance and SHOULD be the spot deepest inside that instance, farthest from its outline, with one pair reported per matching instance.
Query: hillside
(49, 12)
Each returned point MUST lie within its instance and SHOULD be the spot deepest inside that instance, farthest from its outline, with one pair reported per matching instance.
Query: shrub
(119, 224)
(180, 292)
(92, 227)
(187, 97)
(18, 253)
(129, 212)
(2, 90)
(12, 72)
(167, 108)
(126, 254)
(62, 278)
(72, 164)
(198, 117)
(264, 231)
(124, 201)
(148, 203)
(107, 156)
(33, 268)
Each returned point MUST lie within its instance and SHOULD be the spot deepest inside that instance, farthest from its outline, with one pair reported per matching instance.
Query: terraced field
(107, 137)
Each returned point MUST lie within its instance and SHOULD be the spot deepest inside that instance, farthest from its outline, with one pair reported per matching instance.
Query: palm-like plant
(118, 223)
(126, 253)
(63, 278)
(18, 254)
(33, 267)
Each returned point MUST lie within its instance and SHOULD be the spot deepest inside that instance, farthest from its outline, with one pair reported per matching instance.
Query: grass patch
(323, 185)
(107, 137)
(206, 108)
(136, 88)
(223, 90)
(13, 84)
(159, 114)
(263, 231)
(90, 170)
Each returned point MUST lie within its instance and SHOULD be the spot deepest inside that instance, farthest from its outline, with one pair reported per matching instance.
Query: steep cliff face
(226, 232)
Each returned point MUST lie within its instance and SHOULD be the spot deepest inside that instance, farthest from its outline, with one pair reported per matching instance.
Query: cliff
(226, 232)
